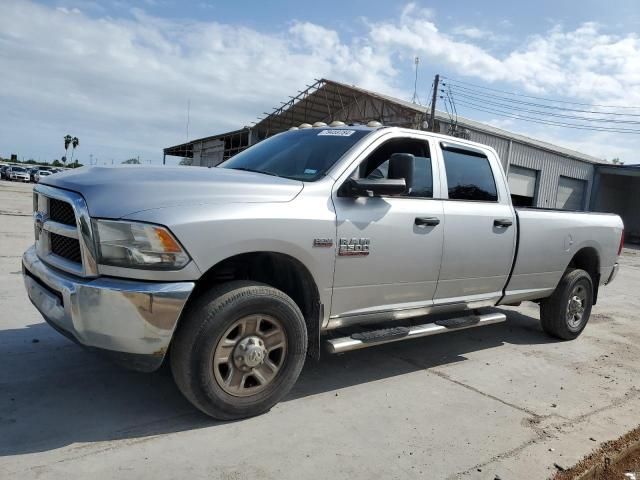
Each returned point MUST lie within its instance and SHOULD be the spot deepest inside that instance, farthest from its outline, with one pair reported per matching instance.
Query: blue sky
(119, 74)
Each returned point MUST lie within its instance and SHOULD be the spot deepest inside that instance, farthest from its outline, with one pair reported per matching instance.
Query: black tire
(554, 311)
(202, 328)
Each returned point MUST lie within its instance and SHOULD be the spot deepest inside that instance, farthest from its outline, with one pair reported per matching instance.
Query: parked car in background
(40, 174)
(32, 174)
(4, 175)
(19, 174)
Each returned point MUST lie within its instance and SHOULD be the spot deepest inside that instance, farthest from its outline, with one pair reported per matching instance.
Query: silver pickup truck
(336, 237)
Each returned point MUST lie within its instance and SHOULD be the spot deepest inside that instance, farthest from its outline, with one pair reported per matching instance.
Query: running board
(397, 334)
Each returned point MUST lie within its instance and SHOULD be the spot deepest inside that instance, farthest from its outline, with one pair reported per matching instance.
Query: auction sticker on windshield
(337, 133)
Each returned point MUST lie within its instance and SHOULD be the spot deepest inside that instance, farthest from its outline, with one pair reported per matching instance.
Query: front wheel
(239, 349)
(566, 312)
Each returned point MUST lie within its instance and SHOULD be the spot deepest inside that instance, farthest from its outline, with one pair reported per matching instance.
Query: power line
(539, 112)
(540, 98)
(521, 102)
(545, 122)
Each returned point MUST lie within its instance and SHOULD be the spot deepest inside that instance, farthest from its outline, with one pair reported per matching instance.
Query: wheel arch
(279, 270)
(588, 259)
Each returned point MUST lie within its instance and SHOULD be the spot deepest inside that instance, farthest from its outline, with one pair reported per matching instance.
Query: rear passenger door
(479, 227)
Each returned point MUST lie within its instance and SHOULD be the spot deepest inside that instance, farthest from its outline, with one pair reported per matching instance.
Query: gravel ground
(503, 400)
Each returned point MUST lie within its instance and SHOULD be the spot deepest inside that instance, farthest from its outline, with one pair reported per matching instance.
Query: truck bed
(549, 239)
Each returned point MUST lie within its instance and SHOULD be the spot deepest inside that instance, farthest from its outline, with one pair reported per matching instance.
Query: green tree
(67, 141)
(56, 163)
(74, 143)
(616, 161)
(132, 161)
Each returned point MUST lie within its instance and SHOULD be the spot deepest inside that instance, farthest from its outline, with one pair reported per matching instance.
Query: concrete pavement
(501, 400)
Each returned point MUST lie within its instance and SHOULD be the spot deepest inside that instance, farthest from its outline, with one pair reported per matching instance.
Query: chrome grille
(63, 231)
(61, 212)
(65, 247)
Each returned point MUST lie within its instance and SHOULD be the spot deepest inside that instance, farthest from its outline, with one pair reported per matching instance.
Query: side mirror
(365, 187)
(401, 165)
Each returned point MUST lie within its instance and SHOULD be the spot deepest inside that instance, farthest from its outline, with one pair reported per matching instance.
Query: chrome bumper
(134, 320)
(613, 274)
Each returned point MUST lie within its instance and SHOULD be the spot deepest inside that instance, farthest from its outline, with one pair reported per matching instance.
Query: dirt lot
(502, 400)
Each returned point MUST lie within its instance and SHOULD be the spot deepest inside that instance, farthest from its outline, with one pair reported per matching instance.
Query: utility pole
(436, 84)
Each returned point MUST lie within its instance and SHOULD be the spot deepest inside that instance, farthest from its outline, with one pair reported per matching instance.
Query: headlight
(137, 245)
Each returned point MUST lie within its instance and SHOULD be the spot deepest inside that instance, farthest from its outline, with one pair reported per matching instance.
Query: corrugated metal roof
(483, 127)
(325, 98)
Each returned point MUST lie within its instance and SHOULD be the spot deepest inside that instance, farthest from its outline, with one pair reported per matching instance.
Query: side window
(469, 175)
(377, 164)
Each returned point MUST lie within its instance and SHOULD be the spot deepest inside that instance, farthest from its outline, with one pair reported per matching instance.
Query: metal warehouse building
(540, 174)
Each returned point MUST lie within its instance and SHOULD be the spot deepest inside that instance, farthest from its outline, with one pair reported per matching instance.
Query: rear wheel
(239, 350)
(566, 312)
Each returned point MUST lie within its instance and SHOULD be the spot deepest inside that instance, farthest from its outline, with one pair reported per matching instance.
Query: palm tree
(74, 143)
(67, 141)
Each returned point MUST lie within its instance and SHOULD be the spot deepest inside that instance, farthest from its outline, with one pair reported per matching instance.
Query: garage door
(570, 194)
(522, 185)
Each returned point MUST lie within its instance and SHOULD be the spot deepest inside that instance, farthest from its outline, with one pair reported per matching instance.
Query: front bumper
(132, 320)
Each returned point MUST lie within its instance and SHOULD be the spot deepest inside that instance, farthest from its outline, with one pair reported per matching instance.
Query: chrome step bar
(346, 344)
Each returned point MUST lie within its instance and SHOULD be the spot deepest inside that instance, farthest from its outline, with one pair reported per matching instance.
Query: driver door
(389, 248)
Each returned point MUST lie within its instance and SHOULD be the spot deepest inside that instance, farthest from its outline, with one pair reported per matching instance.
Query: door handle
(427, 221)
(502, 222)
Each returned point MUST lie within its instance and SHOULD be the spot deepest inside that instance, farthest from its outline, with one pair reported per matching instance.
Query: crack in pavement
(543, 434)
(488, 395)
(534, 420)
(469, 387)
(14, 214)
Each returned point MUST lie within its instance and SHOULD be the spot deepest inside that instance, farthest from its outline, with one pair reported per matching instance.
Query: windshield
(18, 169)
(299, 154)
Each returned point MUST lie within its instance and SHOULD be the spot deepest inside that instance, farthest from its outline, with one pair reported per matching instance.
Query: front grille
(60, 242)
(65, 247)
(61, 211)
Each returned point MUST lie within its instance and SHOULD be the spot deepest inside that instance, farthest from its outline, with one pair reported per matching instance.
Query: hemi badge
(323, 242)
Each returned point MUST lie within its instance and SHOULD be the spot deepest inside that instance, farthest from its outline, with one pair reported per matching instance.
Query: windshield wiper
(246, 169)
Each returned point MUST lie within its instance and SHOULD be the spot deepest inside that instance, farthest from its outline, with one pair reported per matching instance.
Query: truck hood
(114, 192)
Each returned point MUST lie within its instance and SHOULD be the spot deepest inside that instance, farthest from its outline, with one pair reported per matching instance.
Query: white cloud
(473, 33)
(122, 85)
